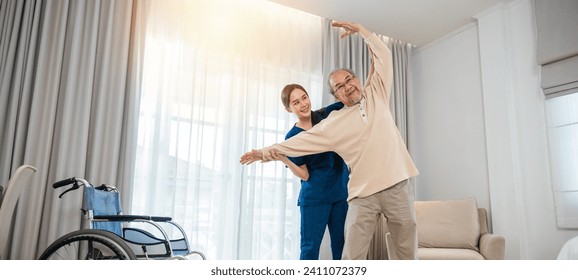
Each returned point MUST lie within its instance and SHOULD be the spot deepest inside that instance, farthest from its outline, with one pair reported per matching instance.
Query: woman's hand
(275, 155)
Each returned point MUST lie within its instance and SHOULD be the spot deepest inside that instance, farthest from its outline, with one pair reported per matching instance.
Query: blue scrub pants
(314, 219)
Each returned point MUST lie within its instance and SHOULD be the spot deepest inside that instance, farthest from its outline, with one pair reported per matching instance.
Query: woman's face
(299, 104)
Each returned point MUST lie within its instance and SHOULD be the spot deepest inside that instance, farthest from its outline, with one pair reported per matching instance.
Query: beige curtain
(67, 75)
(351, 52)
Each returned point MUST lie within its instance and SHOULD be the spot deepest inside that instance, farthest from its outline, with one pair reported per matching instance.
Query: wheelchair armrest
(131, 218)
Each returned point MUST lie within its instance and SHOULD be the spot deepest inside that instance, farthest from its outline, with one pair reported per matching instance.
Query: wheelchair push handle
(75, 184)
(64, 182)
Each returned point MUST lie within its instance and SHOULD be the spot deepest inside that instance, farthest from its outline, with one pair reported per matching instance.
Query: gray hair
(333, 72)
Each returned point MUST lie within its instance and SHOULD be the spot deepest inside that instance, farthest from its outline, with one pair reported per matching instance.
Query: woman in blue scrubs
(323, 195)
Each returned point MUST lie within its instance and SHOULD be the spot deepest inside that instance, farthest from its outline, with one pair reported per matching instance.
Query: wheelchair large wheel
(88, 244)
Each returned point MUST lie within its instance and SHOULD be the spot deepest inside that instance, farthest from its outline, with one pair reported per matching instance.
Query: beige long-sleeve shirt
(372, 148)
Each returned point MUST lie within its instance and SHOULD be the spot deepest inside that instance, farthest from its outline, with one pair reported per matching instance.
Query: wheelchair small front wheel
(88, 244)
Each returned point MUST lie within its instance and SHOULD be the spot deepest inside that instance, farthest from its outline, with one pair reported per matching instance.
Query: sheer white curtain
(213, 73)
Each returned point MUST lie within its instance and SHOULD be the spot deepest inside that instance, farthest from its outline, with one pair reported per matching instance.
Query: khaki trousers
(362, 218)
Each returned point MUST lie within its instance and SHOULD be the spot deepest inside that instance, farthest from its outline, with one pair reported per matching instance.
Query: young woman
(323, 195)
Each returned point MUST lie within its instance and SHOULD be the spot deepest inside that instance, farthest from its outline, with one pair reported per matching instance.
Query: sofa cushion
(448, 254)
(448, 224)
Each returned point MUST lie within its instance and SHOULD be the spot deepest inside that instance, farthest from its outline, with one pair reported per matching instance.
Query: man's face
(346, 88)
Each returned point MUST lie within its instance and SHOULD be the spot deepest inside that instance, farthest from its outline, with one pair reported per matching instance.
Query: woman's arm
(300, 171)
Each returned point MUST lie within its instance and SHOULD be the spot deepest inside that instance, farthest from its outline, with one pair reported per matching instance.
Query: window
(562, 118)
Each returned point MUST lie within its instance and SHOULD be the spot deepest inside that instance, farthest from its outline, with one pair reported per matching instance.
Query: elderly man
(364, 134)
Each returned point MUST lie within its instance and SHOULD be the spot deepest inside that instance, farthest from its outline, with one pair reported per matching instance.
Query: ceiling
(418, 22)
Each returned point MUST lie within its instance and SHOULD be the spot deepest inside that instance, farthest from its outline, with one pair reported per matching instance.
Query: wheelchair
(108, 234)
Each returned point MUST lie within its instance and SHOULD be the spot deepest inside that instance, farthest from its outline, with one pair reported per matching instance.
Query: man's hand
(351, 28)
(252, 156)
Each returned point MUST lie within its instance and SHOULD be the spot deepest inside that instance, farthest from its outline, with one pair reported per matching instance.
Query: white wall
(478, 127)
(448, 143)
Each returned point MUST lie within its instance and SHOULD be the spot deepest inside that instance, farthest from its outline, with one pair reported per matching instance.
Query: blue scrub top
(328, 173)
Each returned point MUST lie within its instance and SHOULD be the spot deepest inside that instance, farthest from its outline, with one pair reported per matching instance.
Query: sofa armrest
(492, 246)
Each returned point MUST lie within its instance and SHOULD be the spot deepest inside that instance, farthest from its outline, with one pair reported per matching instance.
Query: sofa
(455, 230)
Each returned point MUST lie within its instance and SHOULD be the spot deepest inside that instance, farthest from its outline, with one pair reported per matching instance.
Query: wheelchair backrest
(104, 202)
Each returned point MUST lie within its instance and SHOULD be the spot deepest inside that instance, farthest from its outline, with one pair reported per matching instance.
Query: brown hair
(286, 93)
